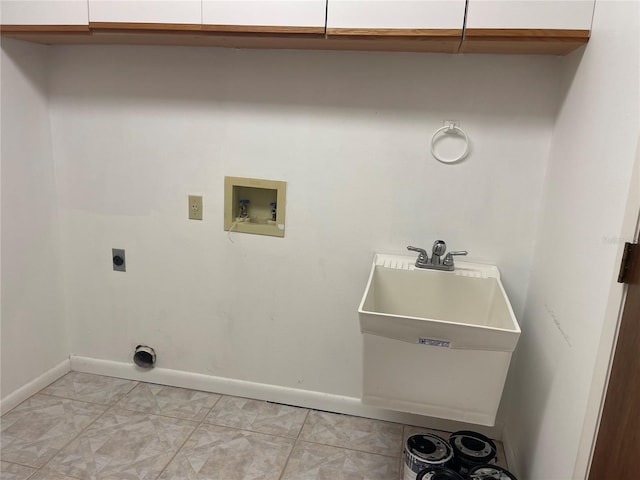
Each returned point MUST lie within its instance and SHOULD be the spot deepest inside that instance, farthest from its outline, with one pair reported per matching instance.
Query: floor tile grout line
(347, 448)
(65, 475)
(73, 439)
(131, 409)
(38, 469)
(247, 430)
(55, 396)
(295, 444)
(75, 400)
(36, 393)
(19, 464)
(286, 463)
(200, 423)
(135, 384)
(306, 417)
(163, 415)
(40, 392)
(178, 450)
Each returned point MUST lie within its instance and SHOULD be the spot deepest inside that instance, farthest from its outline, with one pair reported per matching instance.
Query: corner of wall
(32, 302)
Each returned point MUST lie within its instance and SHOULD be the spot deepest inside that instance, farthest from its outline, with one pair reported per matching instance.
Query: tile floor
(90, 427)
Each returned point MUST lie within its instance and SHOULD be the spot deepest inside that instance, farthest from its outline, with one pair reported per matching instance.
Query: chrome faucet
(436, 262)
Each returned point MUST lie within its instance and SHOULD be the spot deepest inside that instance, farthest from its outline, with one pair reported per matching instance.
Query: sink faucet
(436, 262)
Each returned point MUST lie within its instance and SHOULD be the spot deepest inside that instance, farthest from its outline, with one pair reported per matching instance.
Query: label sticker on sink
(433, 342)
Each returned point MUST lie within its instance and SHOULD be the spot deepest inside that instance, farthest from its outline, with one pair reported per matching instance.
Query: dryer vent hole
(144, 356)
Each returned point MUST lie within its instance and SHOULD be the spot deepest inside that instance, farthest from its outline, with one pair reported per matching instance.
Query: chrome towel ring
(450, 128)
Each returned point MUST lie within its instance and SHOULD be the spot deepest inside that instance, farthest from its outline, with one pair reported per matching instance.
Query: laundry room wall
(34, 336)
(137, 129)
(573, 301)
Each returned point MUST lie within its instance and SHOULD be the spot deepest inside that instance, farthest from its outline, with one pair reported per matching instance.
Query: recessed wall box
(248, 206)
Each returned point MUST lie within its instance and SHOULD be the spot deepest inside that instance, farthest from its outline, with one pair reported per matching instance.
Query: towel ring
(450, 129)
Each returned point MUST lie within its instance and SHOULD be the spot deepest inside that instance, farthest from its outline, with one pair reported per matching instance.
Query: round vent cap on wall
(144, 356)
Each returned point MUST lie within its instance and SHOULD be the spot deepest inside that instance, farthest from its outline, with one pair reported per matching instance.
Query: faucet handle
(448, 259)
(423, 257)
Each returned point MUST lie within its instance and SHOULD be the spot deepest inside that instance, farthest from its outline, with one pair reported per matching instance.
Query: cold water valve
(244, 209)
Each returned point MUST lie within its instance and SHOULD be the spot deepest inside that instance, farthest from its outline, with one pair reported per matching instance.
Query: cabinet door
(527, 26)
(286, 16)
(395, 14)
(45, 12)
(524, 14)
(406, 25)
(146, 14)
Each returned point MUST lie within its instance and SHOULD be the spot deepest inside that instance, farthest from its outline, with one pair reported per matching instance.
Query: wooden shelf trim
(509, 41)
(404, 33)
(526, 34)
(523, 41)
(298, 30)
(44, 29)
(135, 26)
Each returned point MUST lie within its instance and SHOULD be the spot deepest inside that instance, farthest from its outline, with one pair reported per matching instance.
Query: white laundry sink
(436, 343)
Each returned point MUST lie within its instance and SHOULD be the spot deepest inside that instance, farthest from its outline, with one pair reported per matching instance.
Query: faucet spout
(439, 247)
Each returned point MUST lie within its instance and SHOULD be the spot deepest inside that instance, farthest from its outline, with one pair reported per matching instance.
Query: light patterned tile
(170, 401)
(259, 416)
(34, 431)
(373, 436)
(11, 471)
(123, 444)
(90, 388)
(220, 453)
(46, 474)
(310, 461)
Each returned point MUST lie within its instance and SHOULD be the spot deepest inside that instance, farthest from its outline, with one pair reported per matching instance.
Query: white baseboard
(34, 386)
(271, 393)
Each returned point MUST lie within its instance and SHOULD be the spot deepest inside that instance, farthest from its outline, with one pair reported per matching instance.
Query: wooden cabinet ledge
(510, 41)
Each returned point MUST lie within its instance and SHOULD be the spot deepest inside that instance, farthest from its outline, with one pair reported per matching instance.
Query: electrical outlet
(118, 259)
(195, 207)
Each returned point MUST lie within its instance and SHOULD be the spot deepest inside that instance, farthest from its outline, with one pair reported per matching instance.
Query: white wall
(136, 129)
(33, 327)
(573, 298)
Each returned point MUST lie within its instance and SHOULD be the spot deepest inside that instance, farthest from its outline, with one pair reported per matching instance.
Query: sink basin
(468, 308)
(436, 343)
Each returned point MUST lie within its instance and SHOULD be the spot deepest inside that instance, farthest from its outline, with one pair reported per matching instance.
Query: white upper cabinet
(187, 12)
(530, 14)
(308, 14)
(44, 12)
(395, 14)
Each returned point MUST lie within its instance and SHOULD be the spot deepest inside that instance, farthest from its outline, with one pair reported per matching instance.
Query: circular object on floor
(471, 449)
(144, 356)
(490, 472)
(438, 473)
(425, 450)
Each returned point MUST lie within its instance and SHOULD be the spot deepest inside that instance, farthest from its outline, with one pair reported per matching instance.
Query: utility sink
(436, 343)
